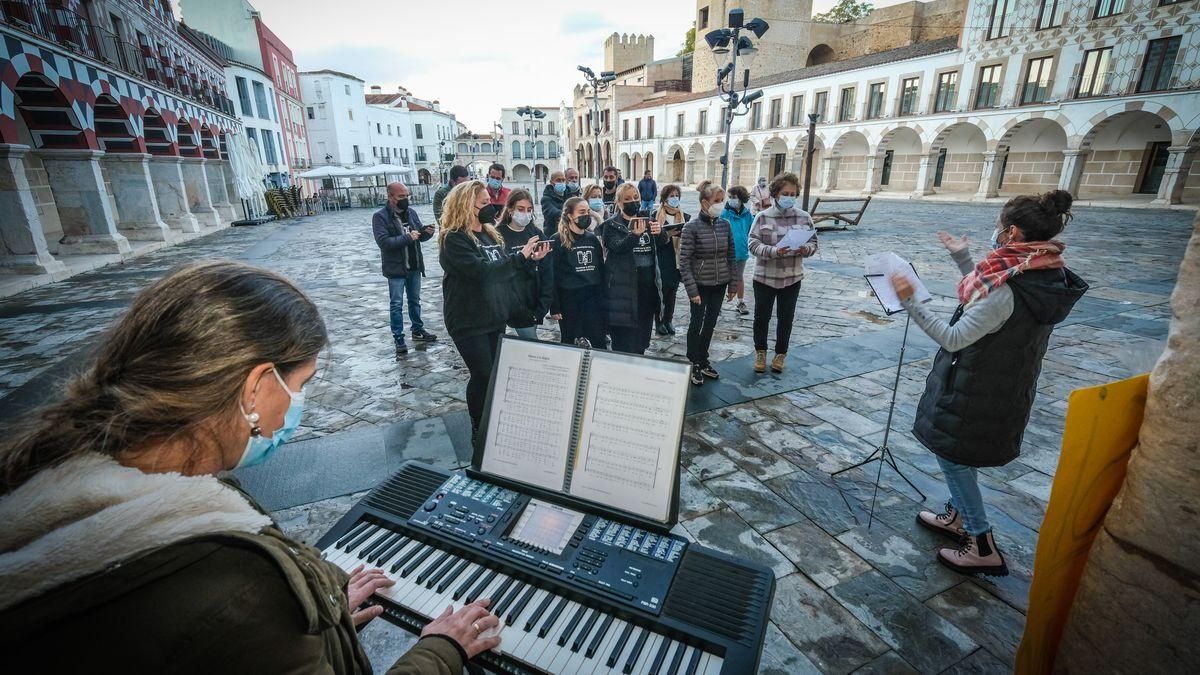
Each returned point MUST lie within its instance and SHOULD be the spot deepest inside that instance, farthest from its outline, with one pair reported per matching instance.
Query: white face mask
(523, 218)
(715, 210)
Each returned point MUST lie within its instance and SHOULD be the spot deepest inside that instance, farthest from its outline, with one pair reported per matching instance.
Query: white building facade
(1099, 98)
(389, 127)
(533, 148)
(433, 134)
(336, 109)
(253, 101)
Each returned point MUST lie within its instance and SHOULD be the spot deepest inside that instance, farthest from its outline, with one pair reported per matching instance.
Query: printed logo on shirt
(493, 252)
(585, 259)
(643, 244)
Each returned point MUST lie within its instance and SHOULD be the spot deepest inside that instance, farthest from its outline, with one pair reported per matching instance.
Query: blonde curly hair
(460, 213)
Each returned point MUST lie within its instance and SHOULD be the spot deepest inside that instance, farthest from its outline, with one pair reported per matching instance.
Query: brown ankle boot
(975, 555)
(948, 523)
(777, 363)
(760, 360)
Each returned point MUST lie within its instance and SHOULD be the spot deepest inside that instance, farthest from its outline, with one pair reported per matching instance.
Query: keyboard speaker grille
(720, 596)
(403, 493)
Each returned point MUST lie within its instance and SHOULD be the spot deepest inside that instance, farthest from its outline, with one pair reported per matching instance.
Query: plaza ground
(758, 450)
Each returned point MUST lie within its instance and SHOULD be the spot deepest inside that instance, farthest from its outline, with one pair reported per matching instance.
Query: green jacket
(438, 198)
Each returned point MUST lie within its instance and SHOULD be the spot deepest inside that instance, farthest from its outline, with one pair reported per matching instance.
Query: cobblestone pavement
(757, 484)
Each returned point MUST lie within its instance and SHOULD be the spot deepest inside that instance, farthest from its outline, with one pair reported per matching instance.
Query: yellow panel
(1101, 430)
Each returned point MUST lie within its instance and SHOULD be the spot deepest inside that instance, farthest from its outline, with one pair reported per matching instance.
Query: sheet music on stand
(595, 426)
(879, 269)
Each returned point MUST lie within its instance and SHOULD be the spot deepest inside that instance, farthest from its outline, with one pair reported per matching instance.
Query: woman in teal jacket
(737, 212)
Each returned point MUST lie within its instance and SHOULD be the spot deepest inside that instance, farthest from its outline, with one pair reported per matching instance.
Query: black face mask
(630, 208)
(402, 204)
(609, 184)
(487, 214)
(584, 222)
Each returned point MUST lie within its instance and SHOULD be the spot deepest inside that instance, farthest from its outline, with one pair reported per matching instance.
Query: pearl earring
(253, 418)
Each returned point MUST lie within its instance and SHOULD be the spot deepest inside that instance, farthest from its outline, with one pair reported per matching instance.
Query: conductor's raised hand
(952, 243)
(904, 287)
(466, 627)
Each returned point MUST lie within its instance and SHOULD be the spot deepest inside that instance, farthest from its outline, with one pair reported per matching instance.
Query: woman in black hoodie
(577, 262)
(532, 286)
(633, 282)
(479, 278)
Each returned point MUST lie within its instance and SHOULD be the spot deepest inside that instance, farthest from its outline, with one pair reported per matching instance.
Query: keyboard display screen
(546, 526)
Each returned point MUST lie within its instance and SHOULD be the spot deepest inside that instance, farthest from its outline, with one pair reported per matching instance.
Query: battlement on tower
(623, 51)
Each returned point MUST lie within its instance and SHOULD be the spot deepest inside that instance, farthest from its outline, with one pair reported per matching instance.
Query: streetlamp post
(529, 115)
(731, 43)
(598, 84)
(497, 135)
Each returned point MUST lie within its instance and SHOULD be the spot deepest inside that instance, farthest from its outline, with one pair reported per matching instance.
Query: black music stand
(883, 454)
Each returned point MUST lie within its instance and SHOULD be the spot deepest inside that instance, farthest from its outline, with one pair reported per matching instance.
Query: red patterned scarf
(1007, 262)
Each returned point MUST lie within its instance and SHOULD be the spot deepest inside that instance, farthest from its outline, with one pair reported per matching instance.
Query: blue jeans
(965, 496)
(528, 332)
(648, 205)
(398, 287)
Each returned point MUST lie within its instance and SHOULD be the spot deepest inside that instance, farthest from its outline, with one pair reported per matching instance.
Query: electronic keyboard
(576, 592)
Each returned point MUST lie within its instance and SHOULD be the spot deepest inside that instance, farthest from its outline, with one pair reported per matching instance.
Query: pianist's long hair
(171, 368)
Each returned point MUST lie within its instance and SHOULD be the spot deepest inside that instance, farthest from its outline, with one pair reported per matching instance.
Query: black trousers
(704, 319)
(478, 352)
(636, 339)
(582, 316)
(765, 298)
(668, 305)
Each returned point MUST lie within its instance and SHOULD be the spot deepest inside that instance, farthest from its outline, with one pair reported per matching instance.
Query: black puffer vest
(977, 400)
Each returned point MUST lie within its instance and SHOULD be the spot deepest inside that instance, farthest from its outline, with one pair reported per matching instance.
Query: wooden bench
(846, 215)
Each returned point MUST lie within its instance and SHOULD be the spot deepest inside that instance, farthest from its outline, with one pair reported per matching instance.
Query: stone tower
(778, 48)
(622, 52)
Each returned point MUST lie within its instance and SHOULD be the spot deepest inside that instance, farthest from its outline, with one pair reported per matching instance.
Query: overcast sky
(475, 56)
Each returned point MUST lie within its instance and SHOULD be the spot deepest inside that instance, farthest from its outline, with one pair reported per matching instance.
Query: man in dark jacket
(557, 192)
(648, 191)
(399, 234)
(457, 175)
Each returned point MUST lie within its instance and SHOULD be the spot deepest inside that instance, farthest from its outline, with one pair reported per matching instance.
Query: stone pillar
(137, 207)
(1179, 162)
(926, 172)
(989, 181)
(199, 200)
(83, 207)
(171, 194)
(874, 167)
(215, 176)
(830, 173)
(25, 250)
(1072, 171)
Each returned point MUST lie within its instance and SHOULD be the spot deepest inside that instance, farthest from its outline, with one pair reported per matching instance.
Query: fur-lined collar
(80, 517)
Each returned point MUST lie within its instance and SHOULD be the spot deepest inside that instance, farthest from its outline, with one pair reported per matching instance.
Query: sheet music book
(880, 267)
(599, 426)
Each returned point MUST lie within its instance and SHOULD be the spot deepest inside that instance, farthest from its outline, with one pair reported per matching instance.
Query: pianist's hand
(465, 627)
(364, 583)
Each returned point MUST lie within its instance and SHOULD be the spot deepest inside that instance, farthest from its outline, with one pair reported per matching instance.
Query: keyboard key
(636, 652)
(619, 647)
(571, 626)
(595, 643)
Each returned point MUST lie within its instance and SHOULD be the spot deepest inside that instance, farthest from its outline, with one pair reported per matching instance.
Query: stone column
(1072, 171)
(83, 207)
(199, 199)
(989, 181)
(137, 207)
(231, 193)
(926, 172)
(215, 176)
(873, 177)
(830, 173)
(1179, 162)
(171, 194)
(25, 250)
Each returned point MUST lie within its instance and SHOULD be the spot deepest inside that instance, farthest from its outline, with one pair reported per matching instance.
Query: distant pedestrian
(556, 193)
(577, 262)
(533, 287)
(740, 219)
(497, 193)
(478, 284)
(648, 190)
(778, 270)
(706, 267)
(458, 174)
(610, 182)
(633, 284)
(399, 233)
(671, 217)
(760, 196)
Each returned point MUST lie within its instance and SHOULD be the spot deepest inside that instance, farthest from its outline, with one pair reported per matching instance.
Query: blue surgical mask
(596, 203)
(786, 202)
(560, 188)
(573, 186)
(673, 202)
(260, 448)
(995, 239)
(733, 202)
(494, 183)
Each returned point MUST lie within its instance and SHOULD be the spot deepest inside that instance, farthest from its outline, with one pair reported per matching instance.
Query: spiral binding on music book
(585, 371)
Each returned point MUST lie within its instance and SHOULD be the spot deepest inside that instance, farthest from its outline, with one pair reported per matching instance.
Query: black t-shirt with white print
(580, 265)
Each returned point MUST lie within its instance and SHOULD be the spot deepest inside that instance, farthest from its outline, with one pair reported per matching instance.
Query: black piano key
(520, 606)
(537, 614)
(371, 542)
(620, 646)
(585, 631)
(595, 643)
(569, 630)
(449, 578)
(438, 562)
(677, 659)
(557, 611)
(694, 663)
(470, 581)
(392, 551)
(636, 652)
(505, 602)
(660, 656)
(442, 571)
(378, 547)
(498, 594)
(357, 541)
(408, 556)
(417, 561)
(354, 532)
(484, 583)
